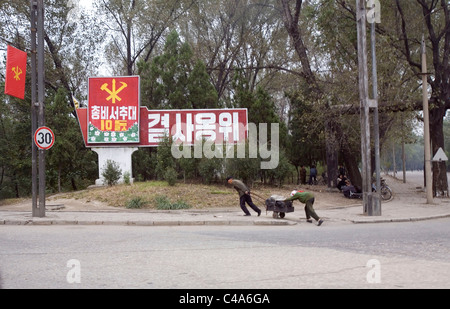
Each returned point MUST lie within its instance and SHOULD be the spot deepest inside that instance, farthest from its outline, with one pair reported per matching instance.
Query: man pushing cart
(306, 198)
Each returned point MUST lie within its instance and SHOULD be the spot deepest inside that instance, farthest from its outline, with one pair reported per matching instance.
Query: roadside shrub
(170, 176)
(136, 203)
(163, 203)
(111, 173)
(127, 178)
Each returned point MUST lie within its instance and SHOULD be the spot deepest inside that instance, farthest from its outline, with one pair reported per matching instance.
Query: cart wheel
(275, 215)
(282, 215)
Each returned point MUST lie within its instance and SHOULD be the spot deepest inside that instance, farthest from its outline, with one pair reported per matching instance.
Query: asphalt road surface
(394, 255)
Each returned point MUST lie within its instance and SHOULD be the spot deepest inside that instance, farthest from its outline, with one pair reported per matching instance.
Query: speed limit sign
(44, 138)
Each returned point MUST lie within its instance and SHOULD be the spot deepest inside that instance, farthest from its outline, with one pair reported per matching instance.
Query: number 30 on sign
(44, 138)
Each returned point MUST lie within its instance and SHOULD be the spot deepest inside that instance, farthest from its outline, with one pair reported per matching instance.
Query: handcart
(279, 207)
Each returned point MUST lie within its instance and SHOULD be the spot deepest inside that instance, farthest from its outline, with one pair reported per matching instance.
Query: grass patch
(136, 203)
(163, 203)
(11, 201)
(153, 184)
(144, 195)
(219, 192)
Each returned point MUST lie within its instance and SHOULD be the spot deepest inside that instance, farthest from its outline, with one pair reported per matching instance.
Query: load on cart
(280, 208)
(281, 205)
(277, 204)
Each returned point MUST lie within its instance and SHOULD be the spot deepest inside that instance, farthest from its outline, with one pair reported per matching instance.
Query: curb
(147, 223)
(413, 219)
(20, 220)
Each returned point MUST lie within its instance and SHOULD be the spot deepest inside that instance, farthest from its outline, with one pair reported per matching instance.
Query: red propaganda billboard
(220, 126)
(113, 112)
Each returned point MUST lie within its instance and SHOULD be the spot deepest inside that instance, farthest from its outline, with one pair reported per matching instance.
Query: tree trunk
(440, 182)
(291, 18)
(331, 154)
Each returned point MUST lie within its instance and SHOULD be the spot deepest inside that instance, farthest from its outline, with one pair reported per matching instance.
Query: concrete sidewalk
(408, 204)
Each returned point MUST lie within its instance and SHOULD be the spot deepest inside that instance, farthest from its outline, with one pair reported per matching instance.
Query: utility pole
(376, 127)
(426, 122)
(37, 104)
(364, 107)
(34, 105)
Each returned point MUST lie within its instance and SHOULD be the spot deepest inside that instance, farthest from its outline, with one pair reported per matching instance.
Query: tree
(313, 90)
(307, 134)
(164, 158)
(202, 93)
(403, 24)
(136, 28)
(15, 150)
(230, 36)
(436, 19)
(175, 80)
(70, 57)
(69, 160)
(71, 47)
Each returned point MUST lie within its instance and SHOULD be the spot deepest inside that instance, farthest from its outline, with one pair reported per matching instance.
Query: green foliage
(231, 53)
(144, 164)
(74, 165)
(164, 158)
(245, 168)
(127, 178)
(163, 203)
(111, 172)
(201, 93)
(136, 203)
(307, 138)
(15, 148)
(69, 165)
(171, 176)
(175, 80)
(188, 166)
(208, 169)
(284, 169)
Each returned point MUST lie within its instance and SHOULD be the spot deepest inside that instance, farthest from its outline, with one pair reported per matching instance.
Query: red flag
(16, 66)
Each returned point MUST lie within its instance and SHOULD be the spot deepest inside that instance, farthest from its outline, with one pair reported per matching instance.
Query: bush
(111, 173)
(136, 203)
(170, 176)
(164, 158)
(163, 203)
(127, 178)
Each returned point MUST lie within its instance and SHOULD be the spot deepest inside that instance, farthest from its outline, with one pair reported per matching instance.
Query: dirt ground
(197, 195)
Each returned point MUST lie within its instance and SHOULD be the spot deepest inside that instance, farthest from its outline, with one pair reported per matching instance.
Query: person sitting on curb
(244, 196)
(306, 198)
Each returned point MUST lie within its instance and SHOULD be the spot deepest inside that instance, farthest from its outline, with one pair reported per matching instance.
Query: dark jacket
(240, 187)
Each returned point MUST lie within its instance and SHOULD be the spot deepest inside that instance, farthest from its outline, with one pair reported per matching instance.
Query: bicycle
(385, 191)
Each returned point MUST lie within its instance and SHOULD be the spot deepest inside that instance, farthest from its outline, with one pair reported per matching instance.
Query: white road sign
(44, 138)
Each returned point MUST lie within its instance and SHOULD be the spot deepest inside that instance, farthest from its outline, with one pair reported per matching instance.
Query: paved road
(416, 177)
(395, 255)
